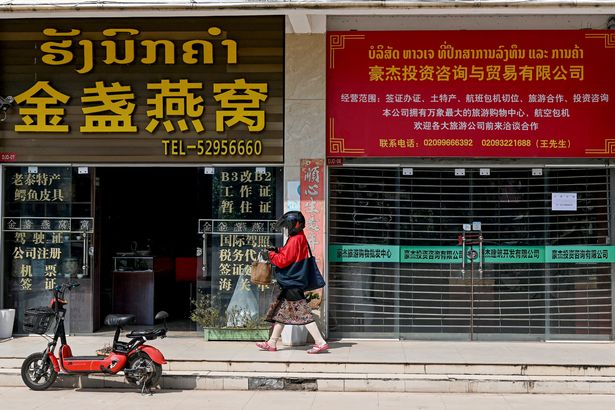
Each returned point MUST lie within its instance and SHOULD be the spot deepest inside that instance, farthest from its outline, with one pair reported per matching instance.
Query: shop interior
(147, 240)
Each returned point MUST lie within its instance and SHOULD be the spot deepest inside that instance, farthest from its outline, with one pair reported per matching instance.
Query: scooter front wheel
(37, 372)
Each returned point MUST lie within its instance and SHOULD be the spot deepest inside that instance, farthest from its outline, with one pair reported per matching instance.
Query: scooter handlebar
(60, 289)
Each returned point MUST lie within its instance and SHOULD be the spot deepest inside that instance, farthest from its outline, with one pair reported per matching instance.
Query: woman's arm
(287, 254)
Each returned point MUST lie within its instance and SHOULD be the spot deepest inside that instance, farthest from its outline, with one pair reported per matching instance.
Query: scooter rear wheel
(149, 371)
(37, 372)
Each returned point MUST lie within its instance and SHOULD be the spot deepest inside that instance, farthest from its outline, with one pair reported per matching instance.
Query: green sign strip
(364, 253)
(580, 254)
(514, 254)
(452, 254)
(431, 254)
(492, 254)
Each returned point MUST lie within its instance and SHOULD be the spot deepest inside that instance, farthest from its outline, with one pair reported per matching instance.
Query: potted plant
(313, 299)
(235, 324)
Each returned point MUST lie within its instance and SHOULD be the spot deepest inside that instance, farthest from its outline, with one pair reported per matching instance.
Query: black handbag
(315, 279)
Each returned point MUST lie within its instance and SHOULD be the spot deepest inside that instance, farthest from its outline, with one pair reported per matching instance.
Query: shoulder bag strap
(309, 249)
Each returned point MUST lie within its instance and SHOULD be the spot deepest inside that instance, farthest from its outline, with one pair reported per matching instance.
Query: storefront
(470, 184)
(143, 160)
(455, 163)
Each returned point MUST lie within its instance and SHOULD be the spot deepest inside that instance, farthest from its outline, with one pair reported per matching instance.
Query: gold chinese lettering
(240, 102)
(43, 117)
(175, 100)
(114, 99)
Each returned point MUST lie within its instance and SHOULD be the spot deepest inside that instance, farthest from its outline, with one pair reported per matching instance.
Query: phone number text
(213, 147)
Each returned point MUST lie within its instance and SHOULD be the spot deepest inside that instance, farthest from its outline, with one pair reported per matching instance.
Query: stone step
(333, 367)
(344, 382)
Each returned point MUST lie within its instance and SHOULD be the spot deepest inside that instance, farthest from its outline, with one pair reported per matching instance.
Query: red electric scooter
(142, 364)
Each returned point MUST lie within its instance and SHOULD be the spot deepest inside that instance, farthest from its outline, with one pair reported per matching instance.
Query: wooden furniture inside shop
(141, 286)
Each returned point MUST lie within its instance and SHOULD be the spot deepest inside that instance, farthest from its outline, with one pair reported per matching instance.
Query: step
(393, 368)
(576, 370)
(344, 382)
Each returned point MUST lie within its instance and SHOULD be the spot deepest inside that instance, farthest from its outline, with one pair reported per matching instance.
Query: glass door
(234, 226)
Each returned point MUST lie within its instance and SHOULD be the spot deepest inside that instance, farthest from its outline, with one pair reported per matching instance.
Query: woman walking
(289, 306)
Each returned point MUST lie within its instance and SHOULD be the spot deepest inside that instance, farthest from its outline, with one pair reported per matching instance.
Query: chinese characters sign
(364, 253)
(470, 94)
(148, 90)
(39, 248)
(245, 206)
(312, 207)
(453, 254)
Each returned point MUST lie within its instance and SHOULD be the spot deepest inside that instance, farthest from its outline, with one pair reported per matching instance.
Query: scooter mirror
(161, 315)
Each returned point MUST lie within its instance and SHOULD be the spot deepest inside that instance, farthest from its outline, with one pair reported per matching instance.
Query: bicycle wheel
(37, 372)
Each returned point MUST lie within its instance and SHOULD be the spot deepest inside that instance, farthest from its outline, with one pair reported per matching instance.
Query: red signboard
(471, 94)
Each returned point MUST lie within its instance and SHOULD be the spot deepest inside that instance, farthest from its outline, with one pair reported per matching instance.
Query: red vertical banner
(312, 205)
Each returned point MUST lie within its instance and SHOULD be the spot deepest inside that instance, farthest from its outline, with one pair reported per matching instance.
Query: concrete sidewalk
(21, 398)
(358, 365)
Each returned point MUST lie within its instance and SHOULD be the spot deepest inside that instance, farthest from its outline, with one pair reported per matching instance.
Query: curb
(332, 382)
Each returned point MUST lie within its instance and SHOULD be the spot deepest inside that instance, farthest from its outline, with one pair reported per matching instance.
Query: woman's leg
(275, 334)
(313, 329)
(270, 345)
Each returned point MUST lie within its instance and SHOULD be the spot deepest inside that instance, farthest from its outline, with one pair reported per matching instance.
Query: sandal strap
(318, 349)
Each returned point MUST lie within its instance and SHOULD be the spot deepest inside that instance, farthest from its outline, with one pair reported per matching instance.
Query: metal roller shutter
(395, 242)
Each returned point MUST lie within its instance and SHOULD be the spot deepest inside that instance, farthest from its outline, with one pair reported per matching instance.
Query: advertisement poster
(509, 94)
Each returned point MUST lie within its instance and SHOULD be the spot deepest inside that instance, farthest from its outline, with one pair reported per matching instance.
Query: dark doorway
(148, 229)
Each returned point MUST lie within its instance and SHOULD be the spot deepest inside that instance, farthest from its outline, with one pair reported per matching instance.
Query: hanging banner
(470, 94)
(312, 205)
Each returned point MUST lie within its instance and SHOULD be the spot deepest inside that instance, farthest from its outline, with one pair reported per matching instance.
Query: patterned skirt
(296, 312)
(288, 312)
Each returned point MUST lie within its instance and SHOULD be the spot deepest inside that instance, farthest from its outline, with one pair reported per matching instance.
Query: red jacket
(295, 250)
(290, 262)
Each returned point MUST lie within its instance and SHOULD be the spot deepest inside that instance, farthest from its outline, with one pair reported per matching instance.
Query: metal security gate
(398, 267)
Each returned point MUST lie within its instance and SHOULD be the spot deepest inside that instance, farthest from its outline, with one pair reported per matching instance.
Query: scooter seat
(119, 320)
(149, 334)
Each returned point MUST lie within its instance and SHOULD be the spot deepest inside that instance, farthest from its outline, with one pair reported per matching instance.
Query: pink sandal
(318, 349)
(266, 346)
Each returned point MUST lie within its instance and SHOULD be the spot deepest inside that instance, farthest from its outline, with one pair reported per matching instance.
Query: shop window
(245, 205)
(47, 225)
